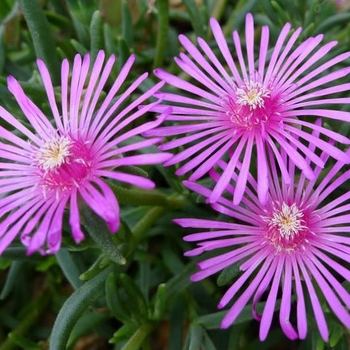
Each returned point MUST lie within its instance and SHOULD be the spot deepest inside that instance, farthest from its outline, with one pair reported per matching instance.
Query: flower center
(286, 227)
(252, 95)
(252, 106)
(54, 153)
(63, 163)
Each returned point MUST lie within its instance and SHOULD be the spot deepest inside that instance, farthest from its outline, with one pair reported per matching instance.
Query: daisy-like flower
(237, 106)
(46, 167)
(296, 244)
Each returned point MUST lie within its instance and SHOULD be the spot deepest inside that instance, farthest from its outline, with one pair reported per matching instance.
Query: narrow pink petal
(106, 112)
(181, 129)
(264, 43)
(264, 284)
(74, 103)
(299, 145)
(269, 308)
(310, 61)
(238, 230)
(231, 292)
(216, 150)
(313, 73)
(242, 301)
(7, 236)
(262, 166)
(141, 159)
(128, 178)
(19, 126)
(238, 50)
(134, 131)
(239, 213)
(321, 81)
(64, 92)
(296, 58)
(201, 223)
(187, 139)
(341, 291)
(36, 242)
(46, 78)
(281, 164)
(34, 115)
(222, 44)
(184, 85)
(212, 160)
(215, 62)
(243, 174)
(227, 174)
(224, 261)
(132, 147)
(301, 309)
(54, 236)
(286, 326)
(249, 37)
(74, 218)
(317, 127)
(317, 308)
(26, 210)
(222, 243)
(199, 58)
(330, 296)
(187, 101)
(297, 159)
(286, 53)
(191, 69)
(103, 203)
(278, 46)
(116, 124)
(92, 91)
(343, 271)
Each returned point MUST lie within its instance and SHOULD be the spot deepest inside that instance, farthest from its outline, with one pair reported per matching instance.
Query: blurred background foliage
(132, 290)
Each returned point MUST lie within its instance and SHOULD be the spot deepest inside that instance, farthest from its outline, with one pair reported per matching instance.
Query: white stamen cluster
(252, 95)
(288, 221)
(54, 153)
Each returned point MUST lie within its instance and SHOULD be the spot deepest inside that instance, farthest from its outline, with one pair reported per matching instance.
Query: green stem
(96, 34)
(68, 267)
(43, 40)
(163, 23)
(34, 311)
(144, 224)
(176, 201)
(138, 196)
(74, 307)
(139, 336)
(219, 9)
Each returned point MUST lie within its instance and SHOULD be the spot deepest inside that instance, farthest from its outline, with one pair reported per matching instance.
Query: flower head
(296, 243)
(50, 167)
(237, 107)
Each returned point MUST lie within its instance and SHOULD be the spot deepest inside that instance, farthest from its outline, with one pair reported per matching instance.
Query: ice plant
(48, 166)
(238, 102)
(295, 244)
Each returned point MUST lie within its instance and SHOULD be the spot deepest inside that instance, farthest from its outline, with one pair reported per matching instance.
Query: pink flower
(46, 168)
(241, 104)
(295, 244)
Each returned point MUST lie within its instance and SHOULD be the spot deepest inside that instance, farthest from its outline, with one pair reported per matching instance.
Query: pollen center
(54, 153)
(288, 221)
(63, 163)
(252, 95)
(286, 227)
(253, 106)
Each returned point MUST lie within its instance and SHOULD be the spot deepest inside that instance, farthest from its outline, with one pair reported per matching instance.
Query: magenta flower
(298, 242)
(238, 106)
(46, 168)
